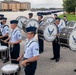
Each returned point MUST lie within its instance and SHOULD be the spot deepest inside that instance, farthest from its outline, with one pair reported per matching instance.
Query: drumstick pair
(3, 41)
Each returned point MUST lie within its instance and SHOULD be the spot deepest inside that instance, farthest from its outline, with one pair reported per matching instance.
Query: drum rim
(19, 17)
(10, 70)
(70, 22)
(69, 41)
(3, 49)
(32, 20)
(45, 19)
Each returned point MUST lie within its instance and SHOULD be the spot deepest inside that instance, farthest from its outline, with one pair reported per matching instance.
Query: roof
(9, 2)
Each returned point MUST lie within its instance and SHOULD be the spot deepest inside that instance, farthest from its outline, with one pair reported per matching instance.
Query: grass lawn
(70, 17)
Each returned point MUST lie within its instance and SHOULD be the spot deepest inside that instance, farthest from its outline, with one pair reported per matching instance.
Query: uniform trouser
(41, 45)
(56, 49)
(30, 69)
(14, 53)
(4, 44)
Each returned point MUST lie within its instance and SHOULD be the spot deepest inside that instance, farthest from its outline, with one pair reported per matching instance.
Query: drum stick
(16, 59)
(13, 59)
(3, 41)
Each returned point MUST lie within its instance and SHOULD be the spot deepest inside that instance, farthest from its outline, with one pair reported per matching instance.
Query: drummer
(55, 16)
(65, 19)
(1, 16)
(55, 44)
(4, 34)
(31, 54)
(14, 41)
(30, 15)
(40, 41)
(4, 31)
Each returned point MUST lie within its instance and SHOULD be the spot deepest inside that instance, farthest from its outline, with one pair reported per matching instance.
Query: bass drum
(71, 24)
(21, 21)
(67, 38)
(47, 32)
(48, 19)
(62, 22)
(31, 23)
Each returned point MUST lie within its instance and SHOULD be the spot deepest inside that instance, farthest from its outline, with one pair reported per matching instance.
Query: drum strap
(31, 43)
(5, 26)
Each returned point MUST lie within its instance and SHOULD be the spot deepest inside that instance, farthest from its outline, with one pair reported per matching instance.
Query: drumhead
(71, 24)
(32, 22)
(48, 19)
(3, 48)
(10, 68)
(72, 40)
(21, 20)
(50, 32)
(62, 22)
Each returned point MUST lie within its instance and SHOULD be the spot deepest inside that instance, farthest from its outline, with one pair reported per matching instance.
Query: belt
(25, 58)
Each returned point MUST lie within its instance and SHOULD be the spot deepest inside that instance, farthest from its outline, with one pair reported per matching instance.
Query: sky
(44, 3)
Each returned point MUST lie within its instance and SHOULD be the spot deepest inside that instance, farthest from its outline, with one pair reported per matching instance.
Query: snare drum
(4, 52)
(47, 32)
(67, 38)
(10, 69)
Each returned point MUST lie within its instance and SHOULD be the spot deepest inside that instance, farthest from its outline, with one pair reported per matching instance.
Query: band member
(56, 46)
(1, 16)
(31, 53)
(40, 41)
(30, 15)
(14, 41)
(65, 19)
(4, 35)
(4, 31)
(55, 16)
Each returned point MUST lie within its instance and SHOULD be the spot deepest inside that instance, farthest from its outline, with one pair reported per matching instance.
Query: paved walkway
(65, 66)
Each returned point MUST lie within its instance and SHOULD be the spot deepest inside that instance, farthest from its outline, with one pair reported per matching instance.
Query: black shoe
(57, 60)
(52, 58)
(75, 70)
(5, 60)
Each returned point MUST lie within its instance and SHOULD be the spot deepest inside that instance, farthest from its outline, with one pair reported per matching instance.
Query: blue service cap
(1, 15)
(40, 15)
(14, 22)
(31, 29)
(65, 16)
(0, 18)
(30, 14)
(57, 18)
(55, 15)
(4, 18)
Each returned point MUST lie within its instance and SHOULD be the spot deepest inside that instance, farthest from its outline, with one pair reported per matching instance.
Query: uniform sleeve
(6, 29)
(19, 35)
(35, 49)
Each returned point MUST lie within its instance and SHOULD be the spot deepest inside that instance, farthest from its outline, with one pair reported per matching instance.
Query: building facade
(10, 5)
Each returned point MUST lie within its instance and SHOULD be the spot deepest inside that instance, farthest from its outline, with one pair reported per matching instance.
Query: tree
(69, 5)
